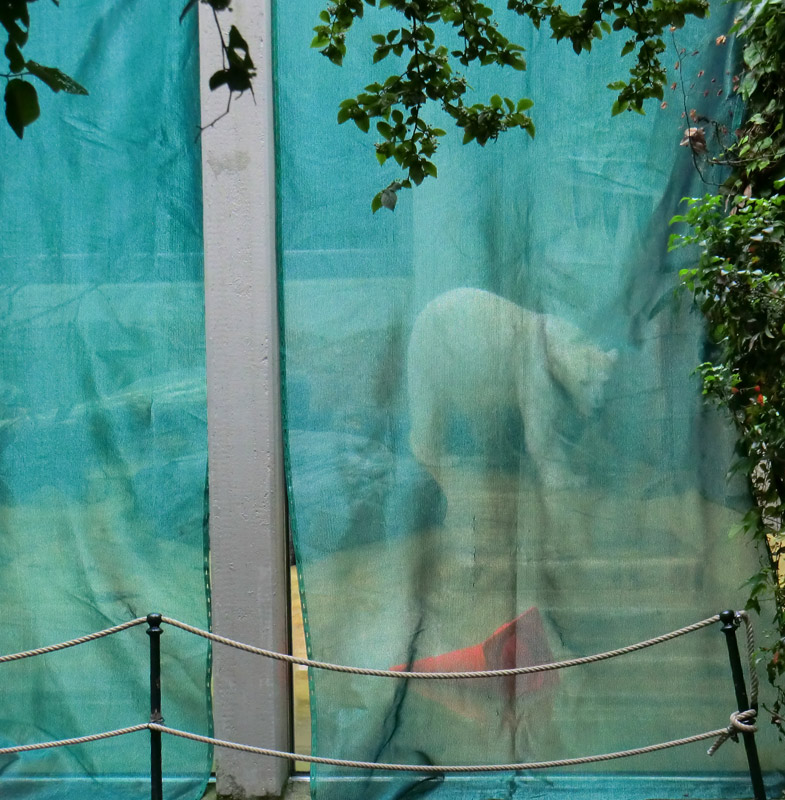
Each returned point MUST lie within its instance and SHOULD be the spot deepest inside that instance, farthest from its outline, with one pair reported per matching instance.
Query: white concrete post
(247, 533)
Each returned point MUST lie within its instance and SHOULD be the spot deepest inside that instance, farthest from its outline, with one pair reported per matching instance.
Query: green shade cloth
(102, 402)
(497, 447)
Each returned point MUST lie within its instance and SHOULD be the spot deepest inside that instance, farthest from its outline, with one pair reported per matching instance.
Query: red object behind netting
(522, 642)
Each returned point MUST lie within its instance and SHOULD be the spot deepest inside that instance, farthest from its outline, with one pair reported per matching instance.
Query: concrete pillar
(247, 501)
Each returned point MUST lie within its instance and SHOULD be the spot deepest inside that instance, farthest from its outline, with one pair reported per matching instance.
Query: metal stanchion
(730, 624)
(156, 775)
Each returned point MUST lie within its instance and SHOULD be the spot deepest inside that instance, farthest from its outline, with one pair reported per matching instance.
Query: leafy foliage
(738, 280)
(738, 283)
(758, 155)
(21, 96)
(431, 68)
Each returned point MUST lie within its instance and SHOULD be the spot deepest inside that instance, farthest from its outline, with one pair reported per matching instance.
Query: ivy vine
(738, 281)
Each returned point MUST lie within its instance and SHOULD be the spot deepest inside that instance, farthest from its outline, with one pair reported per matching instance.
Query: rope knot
(744, 721)
(740, 722)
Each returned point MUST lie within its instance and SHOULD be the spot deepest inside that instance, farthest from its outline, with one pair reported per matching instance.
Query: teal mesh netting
(102, 402)
(497, 448)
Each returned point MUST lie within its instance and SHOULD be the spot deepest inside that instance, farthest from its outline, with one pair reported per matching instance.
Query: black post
(730, 624)
(156, 774)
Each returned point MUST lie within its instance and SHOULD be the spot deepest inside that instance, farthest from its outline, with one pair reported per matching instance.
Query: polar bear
(475, 354)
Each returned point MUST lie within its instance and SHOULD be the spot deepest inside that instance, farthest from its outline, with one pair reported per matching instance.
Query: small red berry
(761, 400)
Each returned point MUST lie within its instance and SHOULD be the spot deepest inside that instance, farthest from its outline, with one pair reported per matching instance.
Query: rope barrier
(371, 765)
(741, 721)
(387, 673)
(436, 769)
(490, 673)
(25, 748)
(72, 642)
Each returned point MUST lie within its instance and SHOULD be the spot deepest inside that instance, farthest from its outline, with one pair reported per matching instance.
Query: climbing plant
(738, 281)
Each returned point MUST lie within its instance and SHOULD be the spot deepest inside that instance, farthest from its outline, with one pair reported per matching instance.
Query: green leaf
(524, 104)
(55, 79)
(618, 107)
(21, 105)
(376, 203)
(496, 102)
(628, 47)
(361, 121)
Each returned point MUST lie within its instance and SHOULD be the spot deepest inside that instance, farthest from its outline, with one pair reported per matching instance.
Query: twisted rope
(737, 723)
(490, 673)
(743, 721)
(386, 673)
(24, 748)
(72, 642)
(753, 673)
(740, 722)
(432, 768)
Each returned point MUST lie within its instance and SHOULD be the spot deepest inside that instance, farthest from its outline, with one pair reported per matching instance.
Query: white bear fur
(477, 354)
